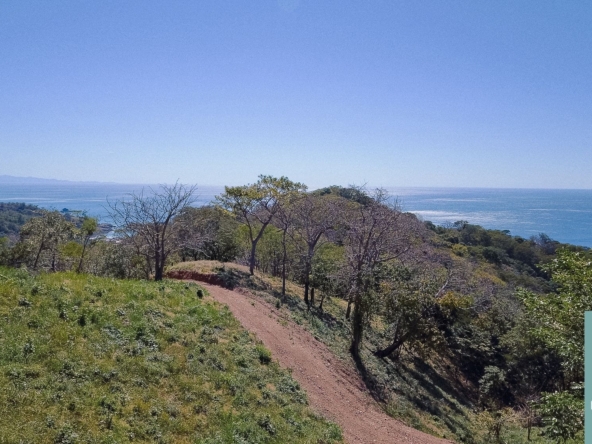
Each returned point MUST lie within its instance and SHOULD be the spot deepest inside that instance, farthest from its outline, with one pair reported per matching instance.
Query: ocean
(564, 215)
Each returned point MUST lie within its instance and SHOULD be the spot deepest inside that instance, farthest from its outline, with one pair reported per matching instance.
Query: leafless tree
(147, 221)
(377, 232)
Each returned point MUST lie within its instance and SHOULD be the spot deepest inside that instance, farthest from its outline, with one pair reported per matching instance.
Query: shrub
(264, 354)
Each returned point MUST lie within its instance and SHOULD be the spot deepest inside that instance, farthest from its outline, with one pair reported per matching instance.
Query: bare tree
(377, 232)
(147, 221)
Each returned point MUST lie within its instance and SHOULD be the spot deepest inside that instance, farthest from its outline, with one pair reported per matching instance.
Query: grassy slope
(85, 359)
(424, 393)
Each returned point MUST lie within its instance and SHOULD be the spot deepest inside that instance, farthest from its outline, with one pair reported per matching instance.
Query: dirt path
(333, 390)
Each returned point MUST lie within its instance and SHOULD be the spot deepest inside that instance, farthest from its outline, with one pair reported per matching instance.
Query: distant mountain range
(36, 180)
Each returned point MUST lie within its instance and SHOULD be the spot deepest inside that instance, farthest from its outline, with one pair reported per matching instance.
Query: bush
(562, 415)
(264, 354)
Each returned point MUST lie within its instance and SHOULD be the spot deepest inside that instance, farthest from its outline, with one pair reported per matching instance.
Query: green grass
(86, 359)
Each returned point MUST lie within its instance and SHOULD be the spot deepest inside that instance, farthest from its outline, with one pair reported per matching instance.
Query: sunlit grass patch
(86, 359)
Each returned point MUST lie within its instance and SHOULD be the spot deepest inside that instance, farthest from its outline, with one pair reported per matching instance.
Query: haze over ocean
(564, 215)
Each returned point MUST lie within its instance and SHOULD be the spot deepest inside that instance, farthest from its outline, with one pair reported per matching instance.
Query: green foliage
(217, 236)
(350, 193)
(563, 415)
(409, 306)
(269, 252)
(86, 359)
(13, 216)
(264, 354)
(560, 316)
(89, 226)
(41, 241)
(255, 205)
(492, 387)
(492, 424)
(560, 325)
(325, 266)
(117, 260)
(4, 251)
(71, 250)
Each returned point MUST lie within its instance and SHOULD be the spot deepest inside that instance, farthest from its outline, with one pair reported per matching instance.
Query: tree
(325, 271)
(87, 230)
(376, 233)
(4, 251)
(255, 205)
(284, 220)
(409, 300)
(41, 238)
(148, 221)
(196, 228)
(563, 415)
(313, 216)
(560, 316)
(560, 325)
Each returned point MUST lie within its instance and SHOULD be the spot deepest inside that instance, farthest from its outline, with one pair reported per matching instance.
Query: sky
(383, 93)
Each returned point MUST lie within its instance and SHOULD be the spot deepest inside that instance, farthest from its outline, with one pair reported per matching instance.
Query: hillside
(455, 330)
(421, 389)
(13, 216)
(334, 389)
(86, 359)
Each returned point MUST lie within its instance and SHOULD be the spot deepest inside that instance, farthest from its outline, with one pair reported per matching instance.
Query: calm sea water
(564, 215)
(89, 197)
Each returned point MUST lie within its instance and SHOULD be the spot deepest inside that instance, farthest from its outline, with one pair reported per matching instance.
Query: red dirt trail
(334, 390)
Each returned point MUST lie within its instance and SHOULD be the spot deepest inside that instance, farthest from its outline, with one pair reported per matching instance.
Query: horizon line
(96, 182)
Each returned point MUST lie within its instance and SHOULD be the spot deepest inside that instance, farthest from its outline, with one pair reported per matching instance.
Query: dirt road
(334, 390)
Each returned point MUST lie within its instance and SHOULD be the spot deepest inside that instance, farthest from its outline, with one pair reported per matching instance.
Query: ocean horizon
(564, 215)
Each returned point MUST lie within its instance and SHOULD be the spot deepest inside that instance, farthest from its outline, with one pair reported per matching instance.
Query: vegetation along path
(333, 390)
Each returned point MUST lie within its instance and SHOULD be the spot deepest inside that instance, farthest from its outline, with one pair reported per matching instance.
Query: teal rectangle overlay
(588, 376)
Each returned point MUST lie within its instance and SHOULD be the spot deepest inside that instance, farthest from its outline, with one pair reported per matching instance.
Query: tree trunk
(79, 268)
(322, 299)
(396, 344)
(307, 281)
(158, 266)
(38, 255)
(284, 259)
(398, 340)
(348, 311)
(312, 292)
(252, 258)
(357, 330)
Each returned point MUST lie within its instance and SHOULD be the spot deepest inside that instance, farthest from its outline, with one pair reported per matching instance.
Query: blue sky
(388, 93)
